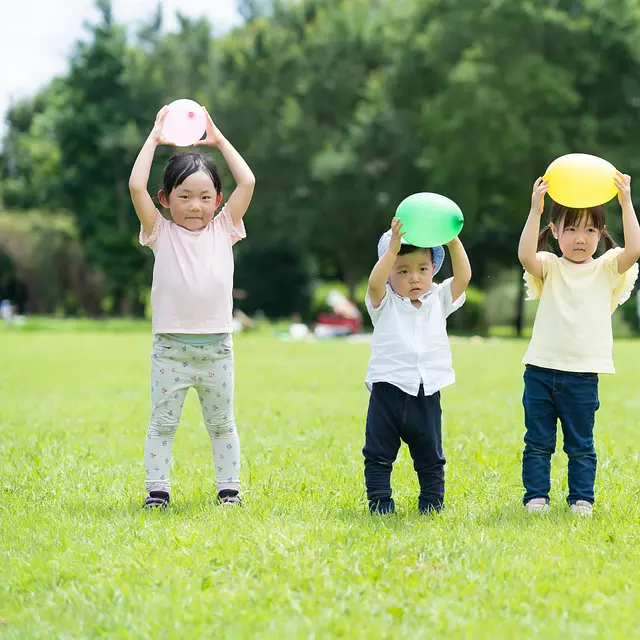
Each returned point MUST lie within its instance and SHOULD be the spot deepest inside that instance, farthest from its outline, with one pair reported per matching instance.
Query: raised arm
(528, 247)
(239, 201)
(139, 179)
(381, 272)
(461, 268)
(631, 252)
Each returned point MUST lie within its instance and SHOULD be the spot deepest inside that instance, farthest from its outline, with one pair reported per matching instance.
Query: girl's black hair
(182, 165)
(562, 217)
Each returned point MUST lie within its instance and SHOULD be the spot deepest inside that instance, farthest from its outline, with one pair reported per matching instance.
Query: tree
(342, 108)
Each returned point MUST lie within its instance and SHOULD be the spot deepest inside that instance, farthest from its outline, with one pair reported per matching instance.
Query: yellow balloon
(580, 180)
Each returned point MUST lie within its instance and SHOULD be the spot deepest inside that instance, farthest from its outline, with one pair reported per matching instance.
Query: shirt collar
(422, 298)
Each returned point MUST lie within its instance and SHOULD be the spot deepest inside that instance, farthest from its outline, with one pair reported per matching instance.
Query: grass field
(302, 558)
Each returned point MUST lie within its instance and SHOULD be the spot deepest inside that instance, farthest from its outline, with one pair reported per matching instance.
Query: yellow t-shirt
(572, 330)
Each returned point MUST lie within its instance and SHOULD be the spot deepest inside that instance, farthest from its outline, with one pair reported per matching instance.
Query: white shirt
(410, 346)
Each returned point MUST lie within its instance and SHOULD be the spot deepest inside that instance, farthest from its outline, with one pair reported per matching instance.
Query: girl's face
(192, 203)
(579, 242)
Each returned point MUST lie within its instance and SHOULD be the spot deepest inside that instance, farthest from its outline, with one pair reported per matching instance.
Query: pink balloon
(185, 123)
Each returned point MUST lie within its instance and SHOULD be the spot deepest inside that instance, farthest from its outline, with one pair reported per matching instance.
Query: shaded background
(341, 107)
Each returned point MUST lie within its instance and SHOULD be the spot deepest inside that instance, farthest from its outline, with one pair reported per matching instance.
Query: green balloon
(429, 219)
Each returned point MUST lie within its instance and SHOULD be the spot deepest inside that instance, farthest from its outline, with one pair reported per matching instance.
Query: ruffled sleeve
(149, 240)
(236, 232)
(622, 283)
(533, 284)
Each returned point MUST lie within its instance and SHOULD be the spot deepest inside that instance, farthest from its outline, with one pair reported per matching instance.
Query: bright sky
(38, 35)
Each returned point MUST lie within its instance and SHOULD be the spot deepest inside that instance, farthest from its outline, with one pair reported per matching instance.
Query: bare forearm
(139, 178)
(631, 228)
(460, 261)
(528, 246)
(240, 170)
(631, 252)
(381, 272)
(461, 268)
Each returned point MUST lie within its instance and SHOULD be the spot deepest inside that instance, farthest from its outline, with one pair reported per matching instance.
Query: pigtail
(609, 242)
(543, 239)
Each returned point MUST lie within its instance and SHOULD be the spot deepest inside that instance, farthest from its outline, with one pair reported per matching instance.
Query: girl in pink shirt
(191, 301)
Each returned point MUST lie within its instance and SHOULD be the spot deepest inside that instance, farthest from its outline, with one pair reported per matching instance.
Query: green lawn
(302, 558)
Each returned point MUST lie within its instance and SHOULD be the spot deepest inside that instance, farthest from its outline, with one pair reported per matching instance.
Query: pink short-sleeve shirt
(193, 275)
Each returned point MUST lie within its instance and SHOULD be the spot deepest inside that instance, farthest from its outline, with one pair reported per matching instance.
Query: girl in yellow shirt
(572, 337)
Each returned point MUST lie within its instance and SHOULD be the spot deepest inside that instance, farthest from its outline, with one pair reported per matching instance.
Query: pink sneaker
(157, 499)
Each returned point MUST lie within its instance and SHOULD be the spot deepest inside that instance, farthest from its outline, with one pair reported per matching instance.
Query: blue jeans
(394, 416)
(572, 397)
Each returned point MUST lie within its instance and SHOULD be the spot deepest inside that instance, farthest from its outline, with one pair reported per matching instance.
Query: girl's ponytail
(609, 242)
(543, 239)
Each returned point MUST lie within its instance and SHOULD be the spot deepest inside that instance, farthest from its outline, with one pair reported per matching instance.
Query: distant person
(410, 363)
(191, 300)
(572, 337)
(344, 320)
(6, 311)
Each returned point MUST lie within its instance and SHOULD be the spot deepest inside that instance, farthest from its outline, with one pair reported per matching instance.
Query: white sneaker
(537, 505)
(582, 508)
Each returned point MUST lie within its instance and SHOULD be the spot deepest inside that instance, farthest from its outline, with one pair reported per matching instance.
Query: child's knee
(375, 461)
(538, 445)
(577, 451)
(221, 426)
(162, 429)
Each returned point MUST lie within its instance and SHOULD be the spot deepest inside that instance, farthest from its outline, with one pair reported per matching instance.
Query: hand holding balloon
(214, 138)
(540, 187)
(623, 184)
(156, 132)
(396, 235)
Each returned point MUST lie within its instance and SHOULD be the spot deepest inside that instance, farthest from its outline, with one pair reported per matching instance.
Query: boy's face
(412, 274)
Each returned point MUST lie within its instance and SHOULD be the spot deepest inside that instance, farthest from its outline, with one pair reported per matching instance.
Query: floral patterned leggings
(175, 368)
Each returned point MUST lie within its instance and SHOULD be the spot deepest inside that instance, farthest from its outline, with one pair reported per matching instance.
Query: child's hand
(396, 235)
(156, 132)
(214, 138)
(540, 187)
(623, 182)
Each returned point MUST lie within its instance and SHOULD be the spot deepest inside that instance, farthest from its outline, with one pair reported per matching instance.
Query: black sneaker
(428, 508)
(157, 500)
(229, 496)
(382, 506)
